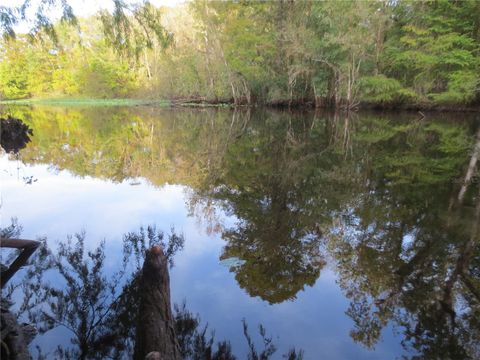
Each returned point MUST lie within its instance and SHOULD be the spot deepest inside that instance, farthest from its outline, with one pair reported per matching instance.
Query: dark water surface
(350, 237)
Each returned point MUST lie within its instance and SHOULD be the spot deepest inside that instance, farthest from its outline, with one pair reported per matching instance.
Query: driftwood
(28, 246)
(15, 337)
(155, 337)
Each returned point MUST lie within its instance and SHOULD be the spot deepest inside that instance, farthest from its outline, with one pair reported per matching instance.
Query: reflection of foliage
(196, 345)
(31, 288)
(405, 249)
(269, 348)
(85, 305)
(119, 143)
(11, 231)
(398, 248)
(194, 342)
(96, 309)
(420, 152)
(137, 243)
(377, 194)
(273, 271)
(101, 311)
(267, 185)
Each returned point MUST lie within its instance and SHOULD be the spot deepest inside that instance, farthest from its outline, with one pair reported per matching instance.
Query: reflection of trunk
(340, 134)
(461, 266)
(346, 136)
(471, 168)
(468, 251)
(155, 328)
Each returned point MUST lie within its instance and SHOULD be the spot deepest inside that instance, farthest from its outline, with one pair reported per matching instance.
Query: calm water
(350, 237)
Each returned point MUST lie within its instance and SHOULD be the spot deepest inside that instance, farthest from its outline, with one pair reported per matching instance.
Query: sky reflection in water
(240, 171)
(60, 204)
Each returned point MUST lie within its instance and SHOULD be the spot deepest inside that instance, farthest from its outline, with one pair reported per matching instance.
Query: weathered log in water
(155, 335)
(15, 337)
(28, 247)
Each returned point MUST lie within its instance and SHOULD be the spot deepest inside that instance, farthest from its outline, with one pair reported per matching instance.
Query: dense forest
(339, 54)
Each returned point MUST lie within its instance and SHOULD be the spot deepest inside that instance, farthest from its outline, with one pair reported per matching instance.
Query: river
(349, 236)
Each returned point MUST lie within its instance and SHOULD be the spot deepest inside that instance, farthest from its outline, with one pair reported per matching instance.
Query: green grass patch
(86, 102)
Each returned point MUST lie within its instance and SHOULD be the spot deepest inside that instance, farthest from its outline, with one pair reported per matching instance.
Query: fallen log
(28, 247)
(15, 337)
(155, 335)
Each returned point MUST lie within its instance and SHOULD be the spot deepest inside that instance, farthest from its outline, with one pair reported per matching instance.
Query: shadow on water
(390, 203)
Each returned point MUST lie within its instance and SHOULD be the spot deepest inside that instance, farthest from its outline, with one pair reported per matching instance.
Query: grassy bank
(86, 102)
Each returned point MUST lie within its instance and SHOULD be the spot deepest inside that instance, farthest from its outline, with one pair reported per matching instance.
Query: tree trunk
(155, 328)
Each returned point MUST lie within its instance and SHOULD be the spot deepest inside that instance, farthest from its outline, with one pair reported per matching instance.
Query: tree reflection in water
(407, 251)
(384, 200)
(69, 288)
(390, 202)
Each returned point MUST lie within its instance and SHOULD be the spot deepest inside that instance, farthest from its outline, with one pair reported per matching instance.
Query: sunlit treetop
(11, 17)
(128, 27)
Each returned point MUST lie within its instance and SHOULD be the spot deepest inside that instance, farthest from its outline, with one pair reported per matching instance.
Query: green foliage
(133, 27)
(329, 53)
(40, 24)
(69, 69)
(106, 78)
(434, 49)
(374, 195)
(463, 87)
(380, 89)
(13, 77)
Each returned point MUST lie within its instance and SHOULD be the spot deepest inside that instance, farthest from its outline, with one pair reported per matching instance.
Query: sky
(82, 8)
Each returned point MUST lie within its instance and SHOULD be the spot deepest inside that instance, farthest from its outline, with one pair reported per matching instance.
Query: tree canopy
(324, 53)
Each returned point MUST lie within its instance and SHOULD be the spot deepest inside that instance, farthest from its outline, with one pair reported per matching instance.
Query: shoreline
(201, 103)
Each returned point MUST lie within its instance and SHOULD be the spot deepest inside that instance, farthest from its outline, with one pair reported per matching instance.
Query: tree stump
(155, 328)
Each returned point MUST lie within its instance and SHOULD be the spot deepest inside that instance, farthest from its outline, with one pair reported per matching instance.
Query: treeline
(339, 54)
